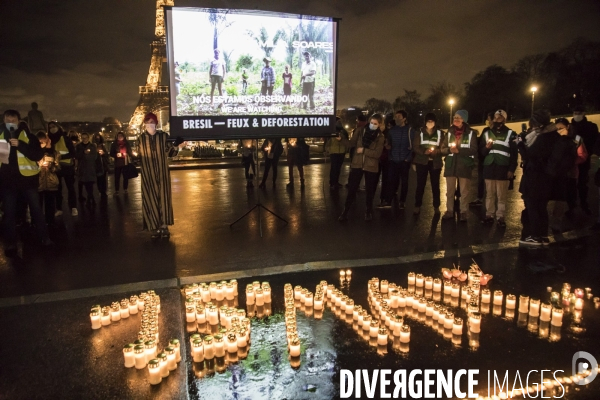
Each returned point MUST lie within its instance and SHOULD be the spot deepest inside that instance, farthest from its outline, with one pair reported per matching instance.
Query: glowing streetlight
(451, 102)
(533, 90)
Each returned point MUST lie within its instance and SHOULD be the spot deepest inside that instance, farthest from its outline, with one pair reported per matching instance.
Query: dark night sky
(84, 59)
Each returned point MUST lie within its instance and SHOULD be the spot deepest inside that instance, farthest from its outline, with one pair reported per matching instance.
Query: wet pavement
(106, 246)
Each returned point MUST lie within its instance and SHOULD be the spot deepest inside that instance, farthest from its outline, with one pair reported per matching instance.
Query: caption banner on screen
(246, 73)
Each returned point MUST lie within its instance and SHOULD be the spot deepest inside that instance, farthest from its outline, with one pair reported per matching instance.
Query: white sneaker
(58, 213)
(74, 212)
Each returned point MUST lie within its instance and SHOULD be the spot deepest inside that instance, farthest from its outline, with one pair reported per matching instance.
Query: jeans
(118, 173)
(398, 172)
(270, 162)
(47, 201)
(434, 177)
(535, 218)
(308, 89)
(69, 179)
(10, 196)
(337, 160)
(354, 178)
(384, 173)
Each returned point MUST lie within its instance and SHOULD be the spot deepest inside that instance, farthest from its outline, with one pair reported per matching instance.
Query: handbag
(130, 171)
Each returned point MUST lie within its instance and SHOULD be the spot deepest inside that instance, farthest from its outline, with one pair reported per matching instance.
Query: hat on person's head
(268, 59)
(464, 114)
(542, 117)
(430, 117)
(362, 118)
(579, 109)
(503, 113)
(151, 116)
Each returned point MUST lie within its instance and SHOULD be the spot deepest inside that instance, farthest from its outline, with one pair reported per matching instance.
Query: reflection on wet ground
(508, 340)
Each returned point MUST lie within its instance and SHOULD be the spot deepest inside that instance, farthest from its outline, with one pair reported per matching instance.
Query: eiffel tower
(154, 97)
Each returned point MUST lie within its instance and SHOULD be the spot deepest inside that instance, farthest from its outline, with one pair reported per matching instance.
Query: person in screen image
(309, 71)
(177, 79)
(267, 77)
(216, 74)
(287, 81)
(244, 81)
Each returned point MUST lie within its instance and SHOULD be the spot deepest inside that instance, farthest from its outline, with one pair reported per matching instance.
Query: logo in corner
(582, 367)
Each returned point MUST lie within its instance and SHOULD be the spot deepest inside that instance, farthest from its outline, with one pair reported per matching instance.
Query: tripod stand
(258, 206)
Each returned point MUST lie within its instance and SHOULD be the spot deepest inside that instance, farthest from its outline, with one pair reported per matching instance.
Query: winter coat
(49, 166)
(276, 148)
(334, 146)
(102, 160)
(436, 156)
(298, 154)
(368, 160)
(460, 165)
(10, 175)
(116, 148)
(587, 130)
(86, 161)
(494, 167)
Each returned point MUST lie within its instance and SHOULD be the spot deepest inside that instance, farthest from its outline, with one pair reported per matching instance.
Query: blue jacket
(401, 138)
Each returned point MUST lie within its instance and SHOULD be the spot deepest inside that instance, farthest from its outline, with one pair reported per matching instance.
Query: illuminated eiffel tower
(153, 97)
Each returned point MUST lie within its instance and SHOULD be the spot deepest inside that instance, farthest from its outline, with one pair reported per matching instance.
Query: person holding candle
(247, 148)
(120, 151)
(368, 142)
(48, 178)
(460, 147)
(272, 150)
(297, 154)
(500, 156)
(101, 165)
(428, 160)
(478, 202)
(157, 208)
(86, 154)
(65, 147)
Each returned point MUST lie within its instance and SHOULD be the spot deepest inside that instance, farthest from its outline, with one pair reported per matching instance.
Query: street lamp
(451, 102)
(533, 90)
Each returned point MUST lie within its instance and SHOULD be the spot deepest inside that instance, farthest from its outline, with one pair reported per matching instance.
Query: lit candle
(579, 293)
(198, 350)
(295, 348)
(404, 334)
(475, 323)
(205, 293)
(129, 356)
(200, 314)
(219, 345)
(154, 377)
(546, 313)
(141, 301)
(555, 297)
(193, 337)
(578, 304)
(124, 309)
(171, 362)
(448, 320)
(115, 313)
(219, 293)
(349, 306)
(234, 283)
(419, 280)
(318, 302)
(229, 293)
(212, 315)
(267, 294)
(557, 316)
(382, 337)
(384, 286)
(139, 354)
(448, 287)
(133, 306)
(95, 319)
(523, 304)
(534, 307)
(174, 343)
(190, 314)
(209, 348)
(366, 322)
(455, 290)
(437, 285)
(429, 283)
(342, 274)
(150, 347)
(498, 297)
(511, 301)
(348, 273)
(411, 278)
(373, 328)
(298, 292)
(457, 326)
(212, 287)
(422, 305)
(241, 338)
(105, 317)
(164, 364)
(308, 299)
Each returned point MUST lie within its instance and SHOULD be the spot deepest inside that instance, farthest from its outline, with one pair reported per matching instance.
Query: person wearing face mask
(120, 150)
(101, 165)
(588, 131)
(478, 202)
(400, 139)
(19, 179)
(500, 158)
(460, 148)
(368, 142)
(86, 154)
(157, 206)
(49, 166)
(66, 173)
(428, 161)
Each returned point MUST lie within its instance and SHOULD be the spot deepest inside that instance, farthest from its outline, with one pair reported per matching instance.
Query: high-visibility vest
(432, 141)
(500, 151)
(26, 166)
(62, 149)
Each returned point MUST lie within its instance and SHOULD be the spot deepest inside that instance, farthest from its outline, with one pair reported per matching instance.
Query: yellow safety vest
(62, 149)
(26, 166)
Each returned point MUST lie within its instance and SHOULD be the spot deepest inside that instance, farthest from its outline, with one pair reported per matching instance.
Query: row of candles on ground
(213, 291)
(306, 298)
(103, 316)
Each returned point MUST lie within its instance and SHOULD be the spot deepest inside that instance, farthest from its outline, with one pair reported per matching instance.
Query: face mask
(430, 125)
(151, 128)
(497, 125)
(10, 125)
(578, 118)
(53, 129)
(373, 127)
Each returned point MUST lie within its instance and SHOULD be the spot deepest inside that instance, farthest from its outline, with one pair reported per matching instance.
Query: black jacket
(10, 176)
(588, 132)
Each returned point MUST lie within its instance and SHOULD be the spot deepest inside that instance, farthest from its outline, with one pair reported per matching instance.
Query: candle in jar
(455, 290)
(348, 273)
(486, 296)
(511, 301)
(95, 319)
(448, 320)
(342, 274)
(209, 348)
(154, 377)
(475, 323)
(141, 302)
(437, 285)
(404, 334)
(231, 344)
(295, 347)
(190, 314)
(219, 345)
(534, 307)
(229, 293)
(267, 294)
(174, 343)
(129, 355)
(419, 280)
(298, 292)
(557, 316)
(373, 328)
(220, 292)
(139, 354)
(124, 310)
(164, 364)
(115, 313)
(249, 295)
(411, 278)
(105, 317)
(200, 314)
(422, 305)
(384, 286)
(428, 283)
(349, 306)
(198, 350)
(205, 293)
(546, 312)
(457, 326)
(133, 306)
(193, 337)
(382, 337)
(171, 362)
(318, 303)
(498, 297)
(212, 315)
(308, 299)
(241, 338)
(150, 347)
(578, 304)
(523, 304)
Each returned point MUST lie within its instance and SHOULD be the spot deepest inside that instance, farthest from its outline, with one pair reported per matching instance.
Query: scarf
(532, 136)
(369, 136)
(458, 132)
